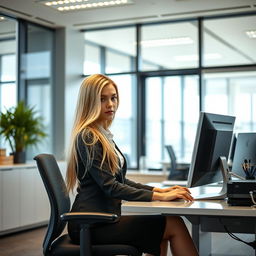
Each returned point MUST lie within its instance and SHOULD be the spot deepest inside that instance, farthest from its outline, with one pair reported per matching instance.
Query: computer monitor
(232, 149)
(245, 149)
(212, 143)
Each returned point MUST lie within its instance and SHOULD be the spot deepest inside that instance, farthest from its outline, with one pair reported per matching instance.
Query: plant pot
(19, 157)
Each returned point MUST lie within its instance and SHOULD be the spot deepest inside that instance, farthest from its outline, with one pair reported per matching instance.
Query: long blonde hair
(87, 112)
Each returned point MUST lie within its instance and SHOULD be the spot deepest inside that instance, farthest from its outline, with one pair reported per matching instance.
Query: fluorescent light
(193, 57)
(72, 5)
(167, 41)
(251, 33)
(2, 18)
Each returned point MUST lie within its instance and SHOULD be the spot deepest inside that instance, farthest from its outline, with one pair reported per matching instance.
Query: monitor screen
(213, 139)
(245, 149)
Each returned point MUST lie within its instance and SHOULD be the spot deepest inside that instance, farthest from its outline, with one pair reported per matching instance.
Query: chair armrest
(88, 217)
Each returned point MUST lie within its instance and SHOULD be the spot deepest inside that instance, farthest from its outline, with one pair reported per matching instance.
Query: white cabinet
(27, 196)
(10, 198)
(23, 199)
(42, 204)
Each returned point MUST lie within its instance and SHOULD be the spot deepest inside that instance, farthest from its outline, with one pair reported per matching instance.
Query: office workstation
(211, 183)
(171, 61)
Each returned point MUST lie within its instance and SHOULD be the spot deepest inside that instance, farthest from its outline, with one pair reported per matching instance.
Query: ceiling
(140, 11)
(225, 39)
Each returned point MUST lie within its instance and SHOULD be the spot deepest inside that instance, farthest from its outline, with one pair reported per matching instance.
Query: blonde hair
(87, 113)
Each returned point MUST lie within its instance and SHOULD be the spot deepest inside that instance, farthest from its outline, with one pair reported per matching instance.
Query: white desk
(205, 217)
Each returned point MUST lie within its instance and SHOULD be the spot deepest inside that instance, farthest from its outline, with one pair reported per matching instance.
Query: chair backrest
(57, 194)
(172, 156)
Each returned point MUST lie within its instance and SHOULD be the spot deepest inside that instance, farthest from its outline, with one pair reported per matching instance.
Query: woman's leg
(180, 240)
(164, 248)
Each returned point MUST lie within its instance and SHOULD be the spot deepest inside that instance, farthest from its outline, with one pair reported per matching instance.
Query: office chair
(177, 171)
(55, 243)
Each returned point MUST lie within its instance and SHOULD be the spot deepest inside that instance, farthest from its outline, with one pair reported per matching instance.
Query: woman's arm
(171, 193)
(137, 185)
(127, 190)
(108, 182)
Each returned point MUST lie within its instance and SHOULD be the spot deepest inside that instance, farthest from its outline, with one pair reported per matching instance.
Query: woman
(97, 167)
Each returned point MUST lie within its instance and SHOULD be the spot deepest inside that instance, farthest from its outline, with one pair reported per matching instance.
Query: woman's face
(109, 104)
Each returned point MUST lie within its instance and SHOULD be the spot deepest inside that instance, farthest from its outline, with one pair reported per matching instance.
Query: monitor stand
(226, 177)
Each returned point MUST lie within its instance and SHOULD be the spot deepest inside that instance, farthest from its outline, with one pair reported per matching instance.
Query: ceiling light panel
(251, 33)
(75, 5)
(167, 41)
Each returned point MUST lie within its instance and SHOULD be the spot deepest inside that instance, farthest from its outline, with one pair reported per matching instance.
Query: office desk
(205, 217)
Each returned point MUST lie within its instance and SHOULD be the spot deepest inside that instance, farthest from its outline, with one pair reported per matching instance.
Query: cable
(252, 244)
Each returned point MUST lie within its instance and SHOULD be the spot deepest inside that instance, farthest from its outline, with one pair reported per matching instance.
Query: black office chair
(55, 243)
(177, 171)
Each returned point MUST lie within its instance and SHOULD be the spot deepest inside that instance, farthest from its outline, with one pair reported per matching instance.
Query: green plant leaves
(21, 127)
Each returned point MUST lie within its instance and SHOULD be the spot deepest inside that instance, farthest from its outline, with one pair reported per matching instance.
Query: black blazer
(100, 190)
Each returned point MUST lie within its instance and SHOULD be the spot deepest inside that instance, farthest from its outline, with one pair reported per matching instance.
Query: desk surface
(206, 208)
(198, 207)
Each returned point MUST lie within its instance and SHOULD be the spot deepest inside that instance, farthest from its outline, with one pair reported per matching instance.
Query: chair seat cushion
(63, 246)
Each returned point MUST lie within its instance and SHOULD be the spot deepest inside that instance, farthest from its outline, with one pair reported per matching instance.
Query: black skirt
(145, 232)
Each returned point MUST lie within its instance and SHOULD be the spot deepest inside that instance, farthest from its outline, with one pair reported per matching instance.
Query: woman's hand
(163, 190)
(172, 193)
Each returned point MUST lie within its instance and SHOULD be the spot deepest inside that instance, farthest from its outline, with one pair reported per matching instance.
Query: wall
(68, 69)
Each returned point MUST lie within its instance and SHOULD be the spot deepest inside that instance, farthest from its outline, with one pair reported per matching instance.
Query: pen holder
(250, 173)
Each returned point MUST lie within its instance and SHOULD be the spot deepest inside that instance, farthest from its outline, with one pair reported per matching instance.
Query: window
(232, 93)
(172, 85)
(38, 80)
(124, 125)
(169, 46)
(8, 80)
(110, 50)
(227, 41)
(8, 89)
(92, 59)
(171, 117)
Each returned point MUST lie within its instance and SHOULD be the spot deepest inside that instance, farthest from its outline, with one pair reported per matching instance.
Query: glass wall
(166, 86)
(37, 63)
(8, 65)
(232, 93)
(124, 126)
(229, 41)
(110, 50)
(169, 46)
(171, 117)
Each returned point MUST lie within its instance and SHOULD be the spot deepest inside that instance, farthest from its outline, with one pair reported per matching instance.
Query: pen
(244, 166)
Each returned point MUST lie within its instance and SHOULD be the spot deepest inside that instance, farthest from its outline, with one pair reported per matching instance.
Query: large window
(169, 46)
(232, 93)
(37, 63)
(110, 50)
(124, 126)
(229, 41)
(167, 72)
(171, 117)
(8, 63)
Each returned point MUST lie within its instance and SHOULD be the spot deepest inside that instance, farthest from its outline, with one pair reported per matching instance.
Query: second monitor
(245, 149)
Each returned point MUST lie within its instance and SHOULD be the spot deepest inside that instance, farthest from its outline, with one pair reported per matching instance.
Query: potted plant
(21, 127)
